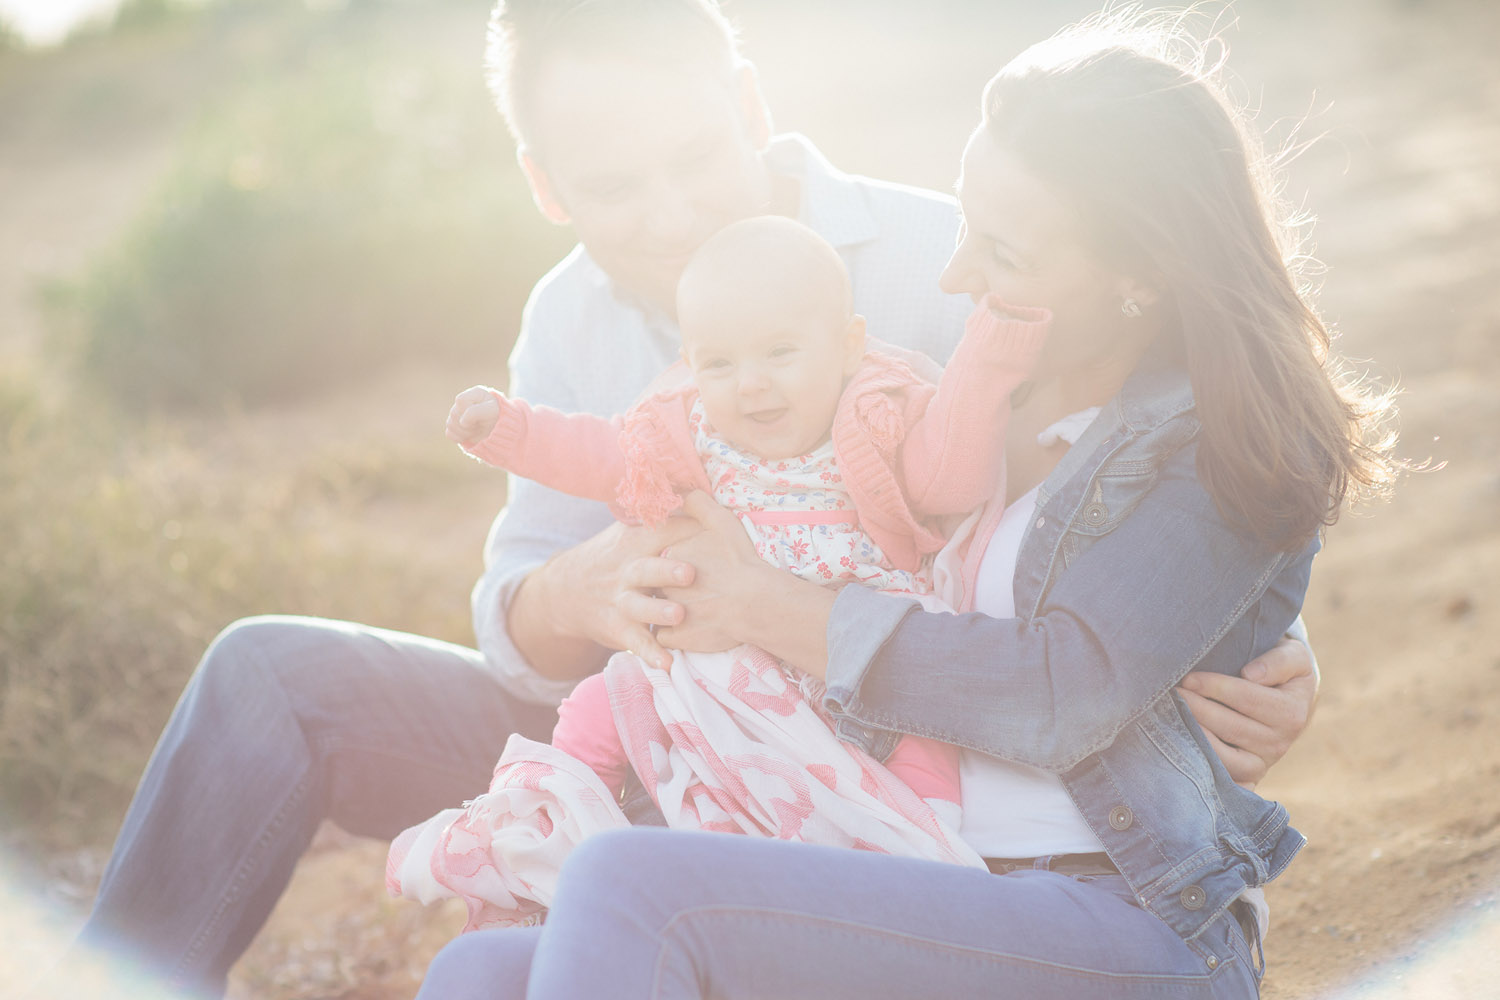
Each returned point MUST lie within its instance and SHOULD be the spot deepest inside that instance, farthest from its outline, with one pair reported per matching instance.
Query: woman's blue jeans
(287, 722)
(651, 913)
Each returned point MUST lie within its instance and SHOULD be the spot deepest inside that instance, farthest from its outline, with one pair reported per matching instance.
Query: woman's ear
(854, 344)
(753, 105)
(541, 189)
(1144, 293)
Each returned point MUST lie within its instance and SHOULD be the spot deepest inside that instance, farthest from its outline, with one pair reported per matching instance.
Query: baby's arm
(930, 769)
(950, 458)
(577, 453)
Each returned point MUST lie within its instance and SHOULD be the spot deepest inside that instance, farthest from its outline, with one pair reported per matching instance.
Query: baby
(839, 462)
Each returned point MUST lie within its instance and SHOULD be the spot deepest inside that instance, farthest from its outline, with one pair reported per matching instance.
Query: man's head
(770, 333)
(636, 122)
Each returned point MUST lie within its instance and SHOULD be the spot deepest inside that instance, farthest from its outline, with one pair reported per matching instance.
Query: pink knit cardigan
(909, 451)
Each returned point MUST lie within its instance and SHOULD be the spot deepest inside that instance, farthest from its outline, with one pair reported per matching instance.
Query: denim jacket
(1127, 579)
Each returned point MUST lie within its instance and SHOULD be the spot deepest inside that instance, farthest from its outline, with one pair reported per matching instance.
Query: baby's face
(770, 375)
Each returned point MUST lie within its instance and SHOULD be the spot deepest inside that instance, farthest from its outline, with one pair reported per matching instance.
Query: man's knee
(272, 651)
(251, 669)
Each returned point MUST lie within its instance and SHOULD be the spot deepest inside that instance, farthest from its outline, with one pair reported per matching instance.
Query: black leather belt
(1097, 863)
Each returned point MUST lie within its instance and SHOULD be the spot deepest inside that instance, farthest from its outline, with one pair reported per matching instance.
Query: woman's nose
(959, 278)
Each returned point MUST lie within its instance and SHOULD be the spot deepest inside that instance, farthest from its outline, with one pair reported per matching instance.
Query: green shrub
(346, 211)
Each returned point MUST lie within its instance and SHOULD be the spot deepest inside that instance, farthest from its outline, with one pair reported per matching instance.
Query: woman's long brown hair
(1127, 124)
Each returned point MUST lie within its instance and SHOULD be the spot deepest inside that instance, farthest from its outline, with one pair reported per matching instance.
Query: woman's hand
(736, 597)
(1252, 720)
(725, 567)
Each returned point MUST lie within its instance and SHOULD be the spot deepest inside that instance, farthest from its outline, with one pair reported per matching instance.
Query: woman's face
(1020, 241)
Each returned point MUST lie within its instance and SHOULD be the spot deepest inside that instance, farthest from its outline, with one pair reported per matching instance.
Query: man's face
(646, 162)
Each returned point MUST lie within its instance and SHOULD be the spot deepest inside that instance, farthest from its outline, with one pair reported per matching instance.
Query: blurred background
(250, 248)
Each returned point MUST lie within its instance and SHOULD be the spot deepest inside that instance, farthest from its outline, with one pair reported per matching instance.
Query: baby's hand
(475, 413)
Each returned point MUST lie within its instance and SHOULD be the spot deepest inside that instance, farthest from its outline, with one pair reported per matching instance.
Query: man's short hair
(524, 34)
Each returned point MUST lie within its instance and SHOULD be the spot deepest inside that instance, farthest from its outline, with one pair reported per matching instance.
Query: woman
(1185, 438)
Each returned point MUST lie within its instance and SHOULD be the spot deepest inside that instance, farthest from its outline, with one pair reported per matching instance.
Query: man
(637, 124)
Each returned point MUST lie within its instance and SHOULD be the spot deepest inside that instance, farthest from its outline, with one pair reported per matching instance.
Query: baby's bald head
(771, 264)
(769, 330)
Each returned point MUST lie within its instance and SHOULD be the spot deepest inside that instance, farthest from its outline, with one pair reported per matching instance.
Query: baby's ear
(854, 344)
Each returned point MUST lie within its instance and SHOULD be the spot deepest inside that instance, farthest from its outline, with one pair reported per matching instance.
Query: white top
(1012, 810)
(585, 347)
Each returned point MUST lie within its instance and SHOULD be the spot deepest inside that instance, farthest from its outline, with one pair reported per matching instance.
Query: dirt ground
(1396, 783)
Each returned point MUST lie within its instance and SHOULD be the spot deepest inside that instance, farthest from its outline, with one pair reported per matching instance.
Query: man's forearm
(542, 633)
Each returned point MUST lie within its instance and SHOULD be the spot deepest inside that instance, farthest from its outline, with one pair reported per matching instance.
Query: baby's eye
(782, 351)
(714, 364)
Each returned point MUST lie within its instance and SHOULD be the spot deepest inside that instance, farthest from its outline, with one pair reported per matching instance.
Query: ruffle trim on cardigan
(655, 473)
(887, 397)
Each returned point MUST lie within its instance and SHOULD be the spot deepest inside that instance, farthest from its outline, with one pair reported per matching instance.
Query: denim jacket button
(1193, 898)
(1213, 963)
(1095, 513)
(1120, 817)
(1041, 522)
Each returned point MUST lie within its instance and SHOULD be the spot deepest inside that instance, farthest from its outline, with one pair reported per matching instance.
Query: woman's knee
(483, 965)
(612, 851)
(617, 861)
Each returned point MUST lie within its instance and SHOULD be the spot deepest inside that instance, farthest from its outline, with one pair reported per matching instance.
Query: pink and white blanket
(725, 741)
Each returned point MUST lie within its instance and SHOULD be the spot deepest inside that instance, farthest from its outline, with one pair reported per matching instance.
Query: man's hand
(474, 414)
(602, 592)
(1252, 720)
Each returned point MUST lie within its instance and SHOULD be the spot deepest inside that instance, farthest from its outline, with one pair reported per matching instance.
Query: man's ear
(854, 344)
(541, 189)
(753, 104)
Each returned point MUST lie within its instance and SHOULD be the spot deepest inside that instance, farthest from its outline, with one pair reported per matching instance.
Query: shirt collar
(832, 206)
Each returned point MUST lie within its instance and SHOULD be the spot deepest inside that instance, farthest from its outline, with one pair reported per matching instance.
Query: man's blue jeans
(287, 722)
(649, 913)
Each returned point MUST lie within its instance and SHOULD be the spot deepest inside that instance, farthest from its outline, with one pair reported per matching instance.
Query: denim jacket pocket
(1109, 499)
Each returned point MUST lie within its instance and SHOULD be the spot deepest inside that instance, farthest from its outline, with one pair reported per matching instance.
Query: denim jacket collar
(1156, 392)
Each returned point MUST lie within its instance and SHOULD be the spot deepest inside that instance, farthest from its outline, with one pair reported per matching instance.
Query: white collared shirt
(586, 347)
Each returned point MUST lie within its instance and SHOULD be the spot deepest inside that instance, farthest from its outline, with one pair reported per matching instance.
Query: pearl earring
(1131, 308)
